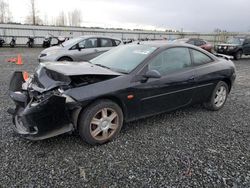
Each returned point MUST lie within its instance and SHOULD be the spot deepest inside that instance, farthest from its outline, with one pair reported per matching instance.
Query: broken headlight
(68, 98)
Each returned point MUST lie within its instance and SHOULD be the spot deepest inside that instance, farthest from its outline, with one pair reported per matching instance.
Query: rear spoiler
(223, 56)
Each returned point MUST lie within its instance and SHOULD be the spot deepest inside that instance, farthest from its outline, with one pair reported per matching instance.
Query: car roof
(165, 44)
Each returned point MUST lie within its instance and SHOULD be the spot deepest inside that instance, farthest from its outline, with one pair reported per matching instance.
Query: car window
(106, 43)
(235, 41)
(172, 59)
(88, 43)
(200, 58)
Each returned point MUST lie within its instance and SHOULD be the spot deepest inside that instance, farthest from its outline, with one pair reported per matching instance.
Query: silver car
(82, 48)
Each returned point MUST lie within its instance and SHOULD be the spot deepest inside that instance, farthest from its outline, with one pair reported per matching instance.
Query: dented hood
(51, 75)
(74, 68)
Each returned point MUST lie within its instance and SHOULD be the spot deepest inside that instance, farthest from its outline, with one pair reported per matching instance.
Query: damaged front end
(43, 109)
(39, 113)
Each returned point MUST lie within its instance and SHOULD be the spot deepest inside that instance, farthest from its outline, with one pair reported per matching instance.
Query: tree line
(71, 18)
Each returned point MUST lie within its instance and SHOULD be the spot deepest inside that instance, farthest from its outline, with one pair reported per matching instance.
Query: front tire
(100, 122)
(218, 98)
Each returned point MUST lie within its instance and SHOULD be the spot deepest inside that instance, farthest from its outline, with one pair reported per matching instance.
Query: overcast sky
(191, 15)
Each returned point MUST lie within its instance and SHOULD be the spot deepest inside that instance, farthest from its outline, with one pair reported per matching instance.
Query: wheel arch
(228, 82)
(109, 97)
(65, 56)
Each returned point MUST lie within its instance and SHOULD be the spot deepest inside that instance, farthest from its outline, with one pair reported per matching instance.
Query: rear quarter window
(200, 58)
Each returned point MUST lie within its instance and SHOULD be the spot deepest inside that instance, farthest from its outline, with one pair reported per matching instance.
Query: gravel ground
(192, 147)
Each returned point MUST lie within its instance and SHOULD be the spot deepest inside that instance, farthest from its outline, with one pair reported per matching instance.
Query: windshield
(71, 41)
(124, 58)
(234, 41)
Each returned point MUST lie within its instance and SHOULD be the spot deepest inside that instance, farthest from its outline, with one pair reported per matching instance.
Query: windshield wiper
(116, 70)
(100, 65)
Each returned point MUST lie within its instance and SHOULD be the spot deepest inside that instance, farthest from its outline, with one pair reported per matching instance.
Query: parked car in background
(197, 42)
(82, 48)
(128, 82)
(234, 46)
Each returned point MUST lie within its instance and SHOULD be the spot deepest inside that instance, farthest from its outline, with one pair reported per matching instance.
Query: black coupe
(129, 82)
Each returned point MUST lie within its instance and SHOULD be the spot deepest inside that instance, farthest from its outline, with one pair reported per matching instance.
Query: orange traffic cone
(19, 60)
(25, 76)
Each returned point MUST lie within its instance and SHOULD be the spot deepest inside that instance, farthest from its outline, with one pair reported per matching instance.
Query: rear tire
(218, 97)
(238, 55)
(100, 122)
(65, 59)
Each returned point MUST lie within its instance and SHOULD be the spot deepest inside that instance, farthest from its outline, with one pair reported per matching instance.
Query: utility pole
(33, 12)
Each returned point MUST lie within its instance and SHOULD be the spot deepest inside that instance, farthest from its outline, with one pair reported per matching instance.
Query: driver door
(175, 87)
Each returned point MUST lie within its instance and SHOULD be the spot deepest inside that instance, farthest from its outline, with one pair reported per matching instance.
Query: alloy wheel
(220, 96)
(104, 124)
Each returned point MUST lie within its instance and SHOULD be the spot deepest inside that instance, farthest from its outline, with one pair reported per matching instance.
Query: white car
(82, 48)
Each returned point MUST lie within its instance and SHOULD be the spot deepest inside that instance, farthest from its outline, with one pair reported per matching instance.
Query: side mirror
(152, 74)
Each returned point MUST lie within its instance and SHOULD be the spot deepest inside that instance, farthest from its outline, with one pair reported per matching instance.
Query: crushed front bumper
(38, 120)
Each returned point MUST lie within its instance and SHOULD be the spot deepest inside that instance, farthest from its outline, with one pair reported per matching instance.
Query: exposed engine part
(77, 81)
